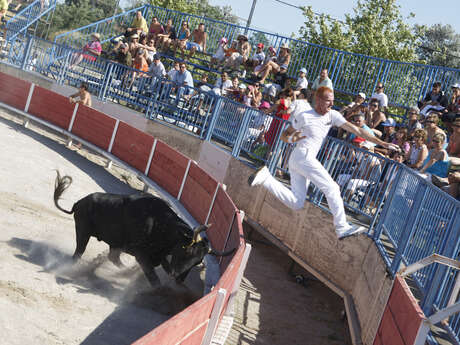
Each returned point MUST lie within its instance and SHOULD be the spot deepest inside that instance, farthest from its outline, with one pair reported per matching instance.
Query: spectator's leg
(453, 189)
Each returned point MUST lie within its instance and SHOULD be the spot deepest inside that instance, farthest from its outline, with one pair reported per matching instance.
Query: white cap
(303, 70)
(362, 95)
(242, 86)
(456, 85)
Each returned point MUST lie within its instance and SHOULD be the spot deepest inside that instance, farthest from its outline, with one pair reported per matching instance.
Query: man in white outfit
(309, 129)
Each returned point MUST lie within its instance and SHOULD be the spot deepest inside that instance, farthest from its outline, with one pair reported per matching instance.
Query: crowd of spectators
(257, 77)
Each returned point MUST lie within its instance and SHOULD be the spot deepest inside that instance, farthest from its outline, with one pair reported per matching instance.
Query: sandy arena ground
(45, 300)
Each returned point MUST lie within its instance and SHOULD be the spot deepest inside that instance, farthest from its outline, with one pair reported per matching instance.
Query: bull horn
(218, 253)
(198, 230)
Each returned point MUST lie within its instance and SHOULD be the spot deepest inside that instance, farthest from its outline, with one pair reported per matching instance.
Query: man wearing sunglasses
(381, 97)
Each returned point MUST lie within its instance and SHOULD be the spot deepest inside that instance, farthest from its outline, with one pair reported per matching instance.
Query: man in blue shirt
(183, 82)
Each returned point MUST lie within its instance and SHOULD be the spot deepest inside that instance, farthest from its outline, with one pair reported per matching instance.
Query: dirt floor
(45, 299)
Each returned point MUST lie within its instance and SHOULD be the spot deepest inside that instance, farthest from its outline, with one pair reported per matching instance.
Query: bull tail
(60, 185)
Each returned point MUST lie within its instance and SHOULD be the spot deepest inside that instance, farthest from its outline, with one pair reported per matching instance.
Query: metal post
(26, 52)
(214, 117)
(248, 23)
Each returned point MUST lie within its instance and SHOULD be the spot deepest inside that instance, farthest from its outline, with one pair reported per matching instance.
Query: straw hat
(96, 36)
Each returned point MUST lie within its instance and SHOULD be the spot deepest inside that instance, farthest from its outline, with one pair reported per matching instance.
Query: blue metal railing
(409, 218)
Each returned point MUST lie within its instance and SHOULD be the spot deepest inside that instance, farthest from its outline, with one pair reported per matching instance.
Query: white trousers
(305, 168)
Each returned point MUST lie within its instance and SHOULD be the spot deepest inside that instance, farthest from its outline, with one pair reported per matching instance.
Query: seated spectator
(240, 95)
(359, 120)
(402, 140)
(155, 29)
(413, 122)
(219, 56)
(90, 52)
(222, 84)
(322, 80)
(375, 117)
(257, 58)
(302, 82)
(453, 124)
(282, 62)
(197, 94)
(133, 44)
(389, 135)
(279, 83)
(437, 162)
(241, 55)
(233, 90)
(173, 71)
(164, 39)
(123, 55)
(157, 69)
(431, 127)
(257, 130)
(418, 150)
(182, 38)
(271, 56)
(280, 109)
(353, 106)
(198, 42)
(139, 63)
(148, 44)
(435, 100)
(138, 25)
(82, 96)
(381, 97)
(454, 103)
(255, 94)
(183, 82)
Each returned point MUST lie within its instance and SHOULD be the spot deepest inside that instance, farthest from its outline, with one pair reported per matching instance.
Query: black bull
(141, 225)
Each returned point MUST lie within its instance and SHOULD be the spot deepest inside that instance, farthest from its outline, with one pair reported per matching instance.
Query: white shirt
(158, 71)
(315, 128)
(259, 56)
(298, 106)
(302, 83)
(382, 98)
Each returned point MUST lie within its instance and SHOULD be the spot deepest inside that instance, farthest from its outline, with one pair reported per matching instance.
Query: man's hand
(393, 147)
(295, 137)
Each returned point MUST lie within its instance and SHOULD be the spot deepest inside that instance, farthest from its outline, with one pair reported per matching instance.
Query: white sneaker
(259, 176)
(351, 231)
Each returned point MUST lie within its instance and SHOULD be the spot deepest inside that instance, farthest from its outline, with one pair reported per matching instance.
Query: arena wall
(353, 268)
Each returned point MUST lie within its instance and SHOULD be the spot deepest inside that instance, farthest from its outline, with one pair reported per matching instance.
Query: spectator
(91, 51)
(435, 100)
(3, 9)
(219, 55)
(282, 62)
(322, 80)
(139, 63)
(412, 120)
(155, 29)
(453, 149)
(164, 39)
(123, 55)
(279, 83)
(389, 135)
(138, 25)
(418, 151)
(257, 58)
(183, 82)
(222, 84)
(197, 94)
(280, 109)
(133, 44)
(300, 104)
(157, 69)
(255, 94)
(182, 38)
(454, 103)
(82, 96)
(302, 82)
(243, 49)
(359, 121)
(198, 43)
(401, 139)
(240, 95)
(233, 91)
(431, 127)
(176, 69)
(375, 117)
(353, 106)
(270, 57)
(148, 44)
(437, 162)
(381, 97)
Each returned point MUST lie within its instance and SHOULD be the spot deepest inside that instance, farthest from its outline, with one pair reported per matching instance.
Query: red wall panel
(220, 218)
(236, 239)
(390, 334)
(14, 91)
(198, 192)
(51, 107)
(93, 126)
(132, 146)
(168, 168)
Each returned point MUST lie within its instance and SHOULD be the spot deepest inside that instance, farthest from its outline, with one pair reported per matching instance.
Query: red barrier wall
(132, 146)
(402, 317)
(168, 168)
(199, 189)
(13, 91)
(93, 126)
(51, 107)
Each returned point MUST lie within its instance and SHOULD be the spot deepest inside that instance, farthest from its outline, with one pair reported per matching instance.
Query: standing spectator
(257, 58)
(375, 117)
(91, 51)
(437, 162)
(82, 96)
(169, 35)
(243, 49)
(198, 43)
(281, 112)
(219, 55)
(435, 100)
(431, 128)
(412, 120)
(155, 29)
(222, 84)
(138, 25)
(157, 69)
(182, 38)
(418, 150)
(184, 82)
(322, 80)
(381, 97)
(353, 106)
(454, 103)
(282, 62)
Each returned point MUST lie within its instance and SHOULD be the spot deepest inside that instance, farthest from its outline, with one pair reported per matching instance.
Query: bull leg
(149, 270)
(114, 257)
(82, 241)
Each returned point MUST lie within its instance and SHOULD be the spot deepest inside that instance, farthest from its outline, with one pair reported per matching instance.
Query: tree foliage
(375, 28)
(439, 45)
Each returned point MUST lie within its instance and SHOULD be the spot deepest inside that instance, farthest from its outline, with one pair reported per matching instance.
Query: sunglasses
(412, 113)
(373, 105)
(429, 121)
(379, 87)
(436, 141)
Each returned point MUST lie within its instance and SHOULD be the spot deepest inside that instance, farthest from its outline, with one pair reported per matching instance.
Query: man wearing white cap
(302, 82)
(309, 129)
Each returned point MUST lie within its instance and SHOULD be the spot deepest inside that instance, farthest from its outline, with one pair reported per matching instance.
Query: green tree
(375, 28)
(439, 45)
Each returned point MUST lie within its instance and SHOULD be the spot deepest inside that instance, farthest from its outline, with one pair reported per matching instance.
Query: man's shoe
(352, 231)
(259, 176)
